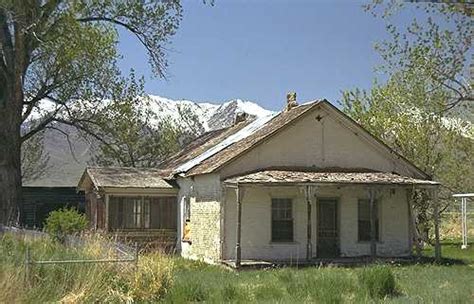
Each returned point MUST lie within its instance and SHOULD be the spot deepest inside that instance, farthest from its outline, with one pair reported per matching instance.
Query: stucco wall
(256, 223)
(204, 192)
(319, 143)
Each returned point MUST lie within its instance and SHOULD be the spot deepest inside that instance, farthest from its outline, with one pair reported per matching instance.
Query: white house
(304, 184)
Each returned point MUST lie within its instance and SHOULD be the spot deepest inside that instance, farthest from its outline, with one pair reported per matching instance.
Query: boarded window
(282, 220)
(364, 220)
(142, 212)
(187, 208)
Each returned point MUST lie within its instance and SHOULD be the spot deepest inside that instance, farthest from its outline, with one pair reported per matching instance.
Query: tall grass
(167, 279)
(78, 283)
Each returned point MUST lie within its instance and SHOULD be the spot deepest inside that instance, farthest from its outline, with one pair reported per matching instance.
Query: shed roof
(122, 177)
(325, 176)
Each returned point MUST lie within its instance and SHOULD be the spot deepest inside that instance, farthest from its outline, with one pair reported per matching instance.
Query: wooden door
(328, 228)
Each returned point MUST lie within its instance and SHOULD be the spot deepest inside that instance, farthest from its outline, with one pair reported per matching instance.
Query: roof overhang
(126, 180)
(326, 178)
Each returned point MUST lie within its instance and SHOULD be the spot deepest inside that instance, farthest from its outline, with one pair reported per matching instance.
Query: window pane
(282, 220)
(364, 220)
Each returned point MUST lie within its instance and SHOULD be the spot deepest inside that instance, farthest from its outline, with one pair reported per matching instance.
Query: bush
(377, 281)
(65, 221)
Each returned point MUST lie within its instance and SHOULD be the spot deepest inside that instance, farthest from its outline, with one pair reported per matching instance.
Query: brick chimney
(290, 101)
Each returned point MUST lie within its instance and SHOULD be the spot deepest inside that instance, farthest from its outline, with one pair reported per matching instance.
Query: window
(142, 212)
(282, 220)
(364, 220)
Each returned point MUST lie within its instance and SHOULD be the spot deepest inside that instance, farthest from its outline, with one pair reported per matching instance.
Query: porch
(308, 217)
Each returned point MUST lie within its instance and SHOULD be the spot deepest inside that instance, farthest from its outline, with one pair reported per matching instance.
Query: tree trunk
(10, 147)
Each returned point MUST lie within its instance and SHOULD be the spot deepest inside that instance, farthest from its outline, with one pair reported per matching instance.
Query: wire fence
(122, 253)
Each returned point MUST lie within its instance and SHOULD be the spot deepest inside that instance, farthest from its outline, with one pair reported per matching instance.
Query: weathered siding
(204, 192)
(37, 202)
(310, 142)
(256, 223)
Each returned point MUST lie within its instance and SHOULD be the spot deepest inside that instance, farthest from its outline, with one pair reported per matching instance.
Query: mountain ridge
(67, 160)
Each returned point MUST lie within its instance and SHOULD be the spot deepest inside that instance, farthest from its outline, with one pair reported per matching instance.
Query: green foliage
(65, 221)
(377, 281)
(59, 61)
(132, 135)
(424, 109)
(176, 280)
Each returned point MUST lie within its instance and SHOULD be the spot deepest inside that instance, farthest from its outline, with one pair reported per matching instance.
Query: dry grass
(78, 283)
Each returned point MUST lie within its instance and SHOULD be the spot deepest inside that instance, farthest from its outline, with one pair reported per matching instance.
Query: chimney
(239, 117)
(290, 101)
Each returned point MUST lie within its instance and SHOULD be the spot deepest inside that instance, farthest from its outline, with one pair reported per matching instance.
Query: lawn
(176, 280)
(419, 283)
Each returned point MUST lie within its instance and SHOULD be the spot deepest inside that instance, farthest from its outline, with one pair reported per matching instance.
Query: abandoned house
(304, 184)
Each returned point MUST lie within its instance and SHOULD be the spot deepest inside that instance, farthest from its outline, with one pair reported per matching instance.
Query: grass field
(419, 283)
(176, 280)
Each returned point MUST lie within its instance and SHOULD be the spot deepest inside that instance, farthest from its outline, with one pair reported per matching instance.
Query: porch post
(436, 226)
(373, 240)
(238, 251)
(309, 246)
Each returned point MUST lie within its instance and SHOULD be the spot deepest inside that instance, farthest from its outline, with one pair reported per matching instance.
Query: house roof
(121, 177)
(202, 161)
(202, 156)
(326, 176)
(198, 146)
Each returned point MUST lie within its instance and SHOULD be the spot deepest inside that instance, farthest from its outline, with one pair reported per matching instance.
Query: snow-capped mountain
(206, 115)
(67, 159)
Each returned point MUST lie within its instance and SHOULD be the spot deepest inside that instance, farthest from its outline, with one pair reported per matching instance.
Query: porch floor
(339, 261)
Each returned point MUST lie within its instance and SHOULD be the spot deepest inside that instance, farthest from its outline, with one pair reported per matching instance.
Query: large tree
(61, 56)
(423, 107)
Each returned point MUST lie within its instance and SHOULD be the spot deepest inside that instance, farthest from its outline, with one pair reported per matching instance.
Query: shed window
(282, 220)
(142, 212)
(364, 220)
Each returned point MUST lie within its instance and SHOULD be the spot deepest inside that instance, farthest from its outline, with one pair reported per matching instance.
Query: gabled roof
(196, 159)
(206, 165)
(124, 177)
(348, 177)
(198, 146)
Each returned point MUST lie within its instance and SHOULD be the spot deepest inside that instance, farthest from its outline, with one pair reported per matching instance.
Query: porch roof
(291, 177)
(125, 177)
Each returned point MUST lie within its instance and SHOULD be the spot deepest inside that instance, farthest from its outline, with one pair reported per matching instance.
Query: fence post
(136, 255)
(27, 264)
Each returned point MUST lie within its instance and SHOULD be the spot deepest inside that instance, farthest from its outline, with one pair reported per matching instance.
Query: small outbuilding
(133, 204)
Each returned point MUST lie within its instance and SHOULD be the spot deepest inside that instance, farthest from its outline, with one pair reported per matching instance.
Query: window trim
(379, 204)
(272, 240)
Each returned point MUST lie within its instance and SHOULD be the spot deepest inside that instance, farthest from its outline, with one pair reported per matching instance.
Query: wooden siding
(37, 202)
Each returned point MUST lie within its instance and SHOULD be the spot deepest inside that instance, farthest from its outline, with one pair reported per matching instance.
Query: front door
(328, 228)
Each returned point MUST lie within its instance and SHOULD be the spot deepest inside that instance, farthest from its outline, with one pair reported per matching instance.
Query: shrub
(377, 281)
(65, 221)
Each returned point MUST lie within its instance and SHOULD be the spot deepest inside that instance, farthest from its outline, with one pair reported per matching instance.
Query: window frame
(378, 222)
(291, 219)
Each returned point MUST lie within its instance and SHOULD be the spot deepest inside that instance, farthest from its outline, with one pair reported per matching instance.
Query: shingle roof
(196, 158)
(121, 177)
(235, 149)
(198, 146)
(326, 176)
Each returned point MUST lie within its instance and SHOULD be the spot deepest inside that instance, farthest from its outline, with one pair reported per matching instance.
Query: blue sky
(260, 50)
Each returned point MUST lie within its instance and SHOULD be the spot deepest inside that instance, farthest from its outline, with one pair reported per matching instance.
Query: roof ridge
(310, 105)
